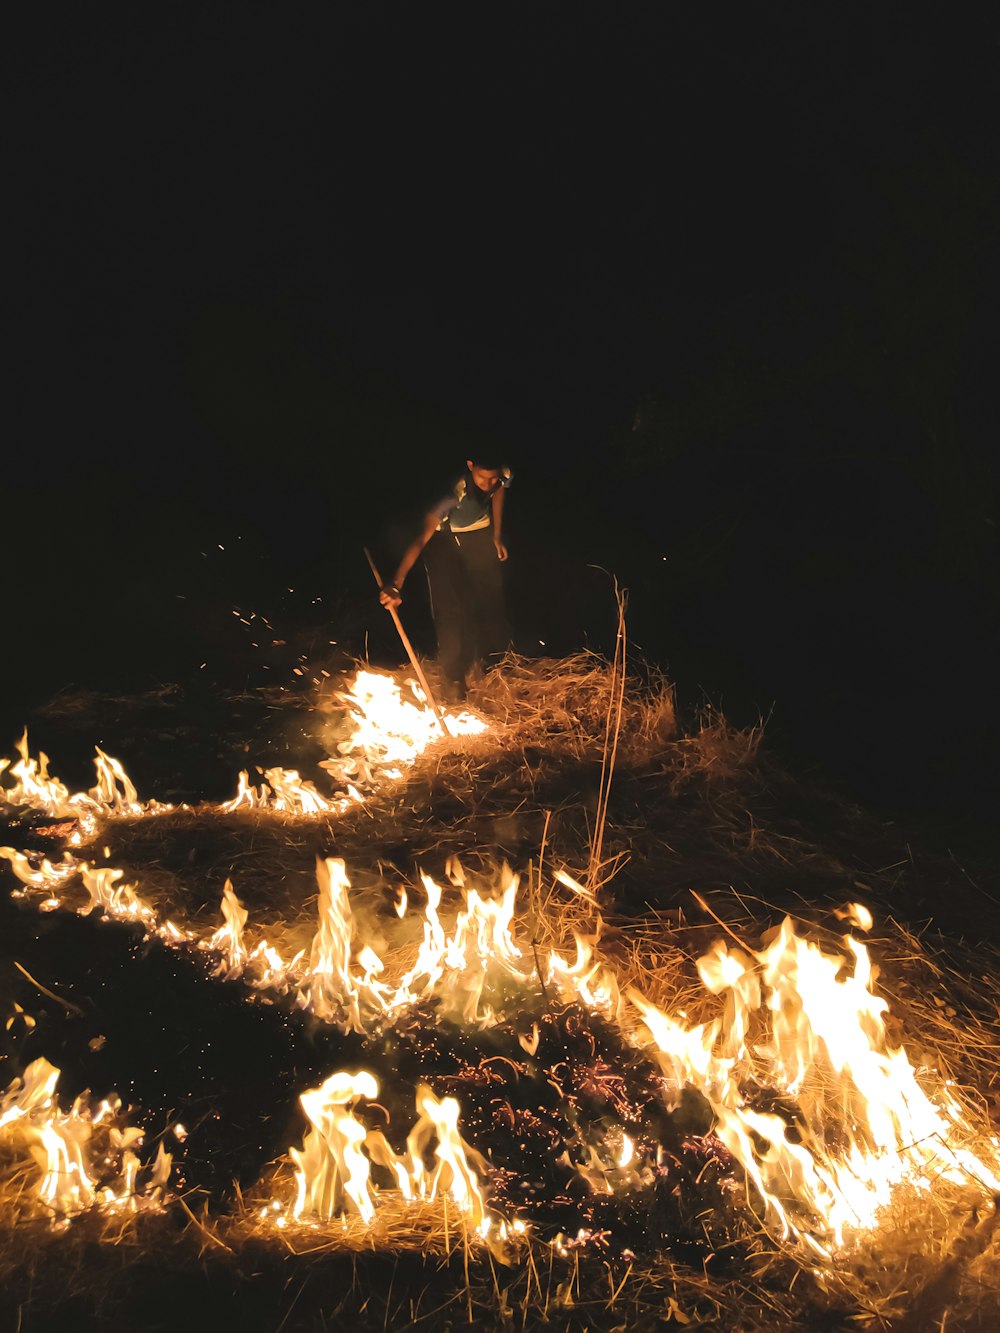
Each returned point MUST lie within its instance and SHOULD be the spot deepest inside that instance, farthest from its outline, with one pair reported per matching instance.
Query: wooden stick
(438, 712)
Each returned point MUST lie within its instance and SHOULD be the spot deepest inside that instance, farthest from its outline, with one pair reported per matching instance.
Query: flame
(330, 1165)
(821, 1044)
(284, 791)
(114, 790)
(228, 939)
(262, 966)
(117, 899)
(479, 954)
(34, 786)
(389, 733)
(390, 729)
(83, 1157)
(481, 949)
(857, 914)
(331, 991)
(43, 875)
(333, 1166)
(792, 1022)
(113, 796)
(452, 1172)
(585, 978)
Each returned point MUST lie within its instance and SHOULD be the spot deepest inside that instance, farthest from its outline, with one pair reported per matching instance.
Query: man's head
(487, 472)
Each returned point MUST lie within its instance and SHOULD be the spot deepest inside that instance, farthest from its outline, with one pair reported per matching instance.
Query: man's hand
(501, 550)
(390, 596)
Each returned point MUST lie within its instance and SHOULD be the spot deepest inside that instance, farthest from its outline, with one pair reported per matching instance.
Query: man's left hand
(501, 550)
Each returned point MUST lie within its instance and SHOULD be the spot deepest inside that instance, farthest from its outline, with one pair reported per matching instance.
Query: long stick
(410, 653)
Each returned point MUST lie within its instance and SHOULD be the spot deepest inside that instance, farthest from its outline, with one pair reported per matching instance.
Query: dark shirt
(464, 505)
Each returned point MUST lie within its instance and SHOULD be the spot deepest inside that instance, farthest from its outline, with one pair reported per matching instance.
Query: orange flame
(822, 1043)
(333, 1166)
(63, 1146)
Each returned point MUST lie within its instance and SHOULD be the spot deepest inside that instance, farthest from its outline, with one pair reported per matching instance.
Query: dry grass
(676, 809)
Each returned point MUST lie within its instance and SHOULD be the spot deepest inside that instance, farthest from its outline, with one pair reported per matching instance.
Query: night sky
(721, 288)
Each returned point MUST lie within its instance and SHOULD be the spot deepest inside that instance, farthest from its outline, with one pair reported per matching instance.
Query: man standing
(462, 544)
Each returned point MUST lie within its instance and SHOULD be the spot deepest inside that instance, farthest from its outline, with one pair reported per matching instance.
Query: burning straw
(749, 1106)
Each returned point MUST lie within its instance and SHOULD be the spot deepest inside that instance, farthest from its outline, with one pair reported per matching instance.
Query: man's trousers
(465, 578)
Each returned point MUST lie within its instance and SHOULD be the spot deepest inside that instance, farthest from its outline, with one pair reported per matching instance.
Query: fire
(391, 728)
(790, 1024)
(452, 1172)
(457, 967)
(333, 1166)
(117, 899)
(83, 1157)
(228, 939)
(389, 732)
(331, 991)
(285, 792)
(113, 795)
(41, 875)
(586, 978)
(863, 1124)
(114, 790)
(330, 1164)
(35, 787)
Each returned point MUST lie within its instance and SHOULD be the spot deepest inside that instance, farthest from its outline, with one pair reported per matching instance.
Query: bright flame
(117, 899)
(452, 1172)
(857, 914)
(333, 1166)
(331, 991)
(283, 791)
(390, 729)
(822, 1044)
(114, 789)
(112, 796)
(83, 1157)
(389, 732)
(481, 949)
(585, 978)
(792, 1020)
(330, 1164)
(228, 939)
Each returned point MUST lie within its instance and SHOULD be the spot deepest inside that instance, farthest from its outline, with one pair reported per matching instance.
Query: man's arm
(390, 594)
(496, 502)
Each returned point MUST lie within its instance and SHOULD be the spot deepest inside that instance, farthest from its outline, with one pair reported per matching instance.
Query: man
(461, 540)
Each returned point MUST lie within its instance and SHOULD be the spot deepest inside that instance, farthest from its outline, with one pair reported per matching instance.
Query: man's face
(486, 478)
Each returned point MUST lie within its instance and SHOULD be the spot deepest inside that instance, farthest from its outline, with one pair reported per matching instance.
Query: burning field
(568, 1016)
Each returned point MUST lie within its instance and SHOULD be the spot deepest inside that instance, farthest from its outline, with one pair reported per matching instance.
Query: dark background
(719, 282)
